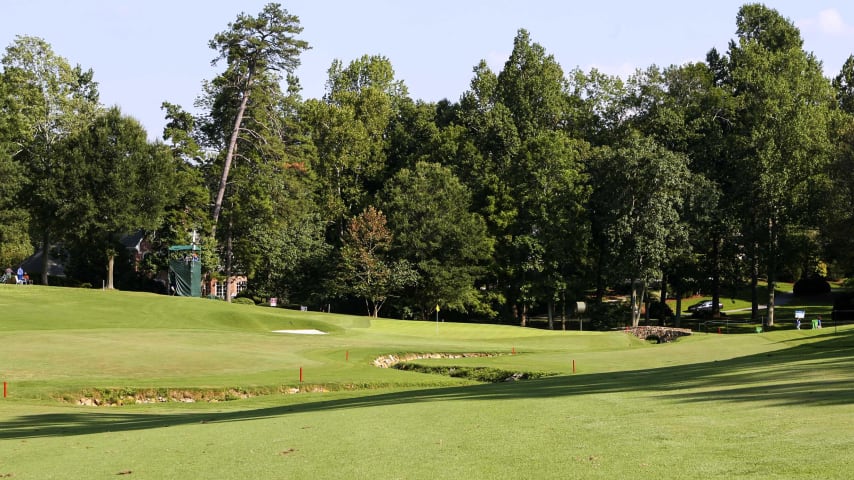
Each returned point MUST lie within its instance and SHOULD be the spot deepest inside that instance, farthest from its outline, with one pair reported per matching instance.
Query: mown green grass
(771, 405)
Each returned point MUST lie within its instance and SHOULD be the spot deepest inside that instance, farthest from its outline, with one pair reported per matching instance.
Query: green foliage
(479, 374)
(350, 128)
(525, 177)
(608, 315)
(535, 185)
(638, 189)
(843, 84)
(119, 181)
(14, 220)
(434, 230)
(366, 270)
(264, 42)
(765, 26)
(784, 114)
(532, 85)
(45, 100)
(15, 244)
(242, 301)
(255, 49)
(636, 200)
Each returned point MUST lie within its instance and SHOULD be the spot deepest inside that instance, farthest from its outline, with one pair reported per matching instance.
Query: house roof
(33, 265)
(133, 240)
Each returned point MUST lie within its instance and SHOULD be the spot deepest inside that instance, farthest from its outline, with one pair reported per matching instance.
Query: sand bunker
(301, 332)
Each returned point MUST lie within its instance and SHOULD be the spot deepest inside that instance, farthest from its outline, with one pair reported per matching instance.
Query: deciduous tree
(15, 243)
(783, 116)
(45, 101)
(435, 230)
(367, 270)
(639, 187)
(114, 182)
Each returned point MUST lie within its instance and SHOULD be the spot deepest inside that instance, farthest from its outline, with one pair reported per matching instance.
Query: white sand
(301, 332)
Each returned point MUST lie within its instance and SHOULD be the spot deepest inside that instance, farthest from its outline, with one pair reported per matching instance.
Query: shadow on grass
(810, 374)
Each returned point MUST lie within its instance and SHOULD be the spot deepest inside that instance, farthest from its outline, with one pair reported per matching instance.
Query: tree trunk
(634, 304)
(678, 308)
(551, 316)
(378, 305)
(636, 299)
(754, 283)
(228, 246)
(772, 270)
(524, 322)
(600, 278)
(663, 298)
(646, 302)
(111, 260)
(563, 310)
(374, 306)
(229, 155)
(716, 279)
(45, 255)
(772, 283)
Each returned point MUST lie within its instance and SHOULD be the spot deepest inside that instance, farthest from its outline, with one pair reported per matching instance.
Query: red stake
(300, 374)
(573, 366)
(513, 352)
(4, 389)
(347, 356)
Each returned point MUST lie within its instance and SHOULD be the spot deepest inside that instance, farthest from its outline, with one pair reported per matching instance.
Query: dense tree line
(537, 188)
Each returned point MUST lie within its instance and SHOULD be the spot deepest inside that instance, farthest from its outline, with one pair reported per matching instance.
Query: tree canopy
(536, 188)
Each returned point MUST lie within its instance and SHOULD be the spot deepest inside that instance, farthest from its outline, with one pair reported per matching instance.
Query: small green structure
(185, 271)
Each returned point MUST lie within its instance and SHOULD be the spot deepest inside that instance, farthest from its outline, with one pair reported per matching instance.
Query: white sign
(800, 314)
(273, 301)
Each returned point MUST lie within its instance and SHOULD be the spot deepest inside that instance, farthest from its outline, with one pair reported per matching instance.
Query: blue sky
(147, 52)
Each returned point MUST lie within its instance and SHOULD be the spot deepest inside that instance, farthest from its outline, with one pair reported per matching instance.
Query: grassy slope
(775, 405)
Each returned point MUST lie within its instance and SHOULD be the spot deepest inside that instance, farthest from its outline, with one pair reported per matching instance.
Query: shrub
(660, 310)
(242, 301)
(479, 374)
(812, 285)
(607, 315)
(250, 295)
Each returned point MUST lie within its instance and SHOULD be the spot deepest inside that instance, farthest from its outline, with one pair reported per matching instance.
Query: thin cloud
(828, 22)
